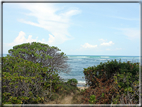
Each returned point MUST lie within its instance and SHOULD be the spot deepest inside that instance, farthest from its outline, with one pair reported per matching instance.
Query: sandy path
(66, 100)
(82, 88)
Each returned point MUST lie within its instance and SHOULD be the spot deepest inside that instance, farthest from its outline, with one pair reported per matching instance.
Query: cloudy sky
(75, 28)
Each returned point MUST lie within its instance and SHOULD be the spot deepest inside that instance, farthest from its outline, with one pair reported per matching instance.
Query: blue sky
(75, 28)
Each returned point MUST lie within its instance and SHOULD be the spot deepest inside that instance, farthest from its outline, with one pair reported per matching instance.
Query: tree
(43, 54)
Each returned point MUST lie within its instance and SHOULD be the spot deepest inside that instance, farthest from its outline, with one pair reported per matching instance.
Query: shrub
(22, 81)
(109, 69)
(72, 82)
(119, 86)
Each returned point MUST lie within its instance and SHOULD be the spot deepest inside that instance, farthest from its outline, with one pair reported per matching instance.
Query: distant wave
(82, 82)
(105, 57)
(81, 56)
(101, 57)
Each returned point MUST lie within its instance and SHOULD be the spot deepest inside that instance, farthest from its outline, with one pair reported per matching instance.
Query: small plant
(92, 99)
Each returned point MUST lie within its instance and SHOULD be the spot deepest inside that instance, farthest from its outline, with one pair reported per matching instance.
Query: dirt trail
(66, 100)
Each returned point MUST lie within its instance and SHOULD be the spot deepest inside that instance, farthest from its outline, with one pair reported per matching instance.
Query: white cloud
(71, 13)
(52, 19)
(20, 39)
(87, 45)
(107, 44)
(51, 39)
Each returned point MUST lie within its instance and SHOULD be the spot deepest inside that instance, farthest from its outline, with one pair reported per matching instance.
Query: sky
(75, 28)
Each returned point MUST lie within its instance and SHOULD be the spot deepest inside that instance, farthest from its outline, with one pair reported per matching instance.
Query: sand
(82, 88)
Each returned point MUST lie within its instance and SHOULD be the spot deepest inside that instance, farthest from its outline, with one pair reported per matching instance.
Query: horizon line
(96, 55)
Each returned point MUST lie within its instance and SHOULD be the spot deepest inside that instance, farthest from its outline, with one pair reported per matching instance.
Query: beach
(82, 88)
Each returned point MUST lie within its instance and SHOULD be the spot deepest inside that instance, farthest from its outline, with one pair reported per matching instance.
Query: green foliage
(82, 91)
(22, 81)
(30, 73)
(47, 56)
(129, 83)
(125, 78)
(103, 94)
(92, 99)
(115, 100)
(109, 69)
(72, 81)
(65, 87)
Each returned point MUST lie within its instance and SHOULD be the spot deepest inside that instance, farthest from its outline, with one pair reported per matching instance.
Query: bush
(118, 82)
(23, 82)
(109, 69)
(72, 82)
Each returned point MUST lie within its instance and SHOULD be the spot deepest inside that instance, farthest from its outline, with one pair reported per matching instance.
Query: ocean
(78, 62)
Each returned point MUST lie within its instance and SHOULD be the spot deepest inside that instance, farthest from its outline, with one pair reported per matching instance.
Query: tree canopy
(47, 56)
(31, 71)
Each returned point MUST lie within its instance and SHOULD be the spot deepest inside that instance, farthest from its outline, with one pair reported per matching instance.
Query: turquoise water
(78, 62)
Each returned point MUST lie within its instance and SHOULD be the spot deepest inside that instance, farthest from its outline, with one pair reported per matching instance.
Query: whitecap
(82, 82)
(104, 56)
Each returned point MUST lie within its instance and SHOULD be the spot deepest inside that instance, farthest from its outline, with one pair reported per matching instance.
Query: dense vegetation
(116, 83)
(22, 81)
(30, 76)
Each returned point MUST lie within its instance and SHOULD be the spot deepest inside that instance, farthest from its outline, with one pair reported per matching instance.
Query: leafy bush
(120, 86)
(72, 82)
(23, 82)
(109, 69)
